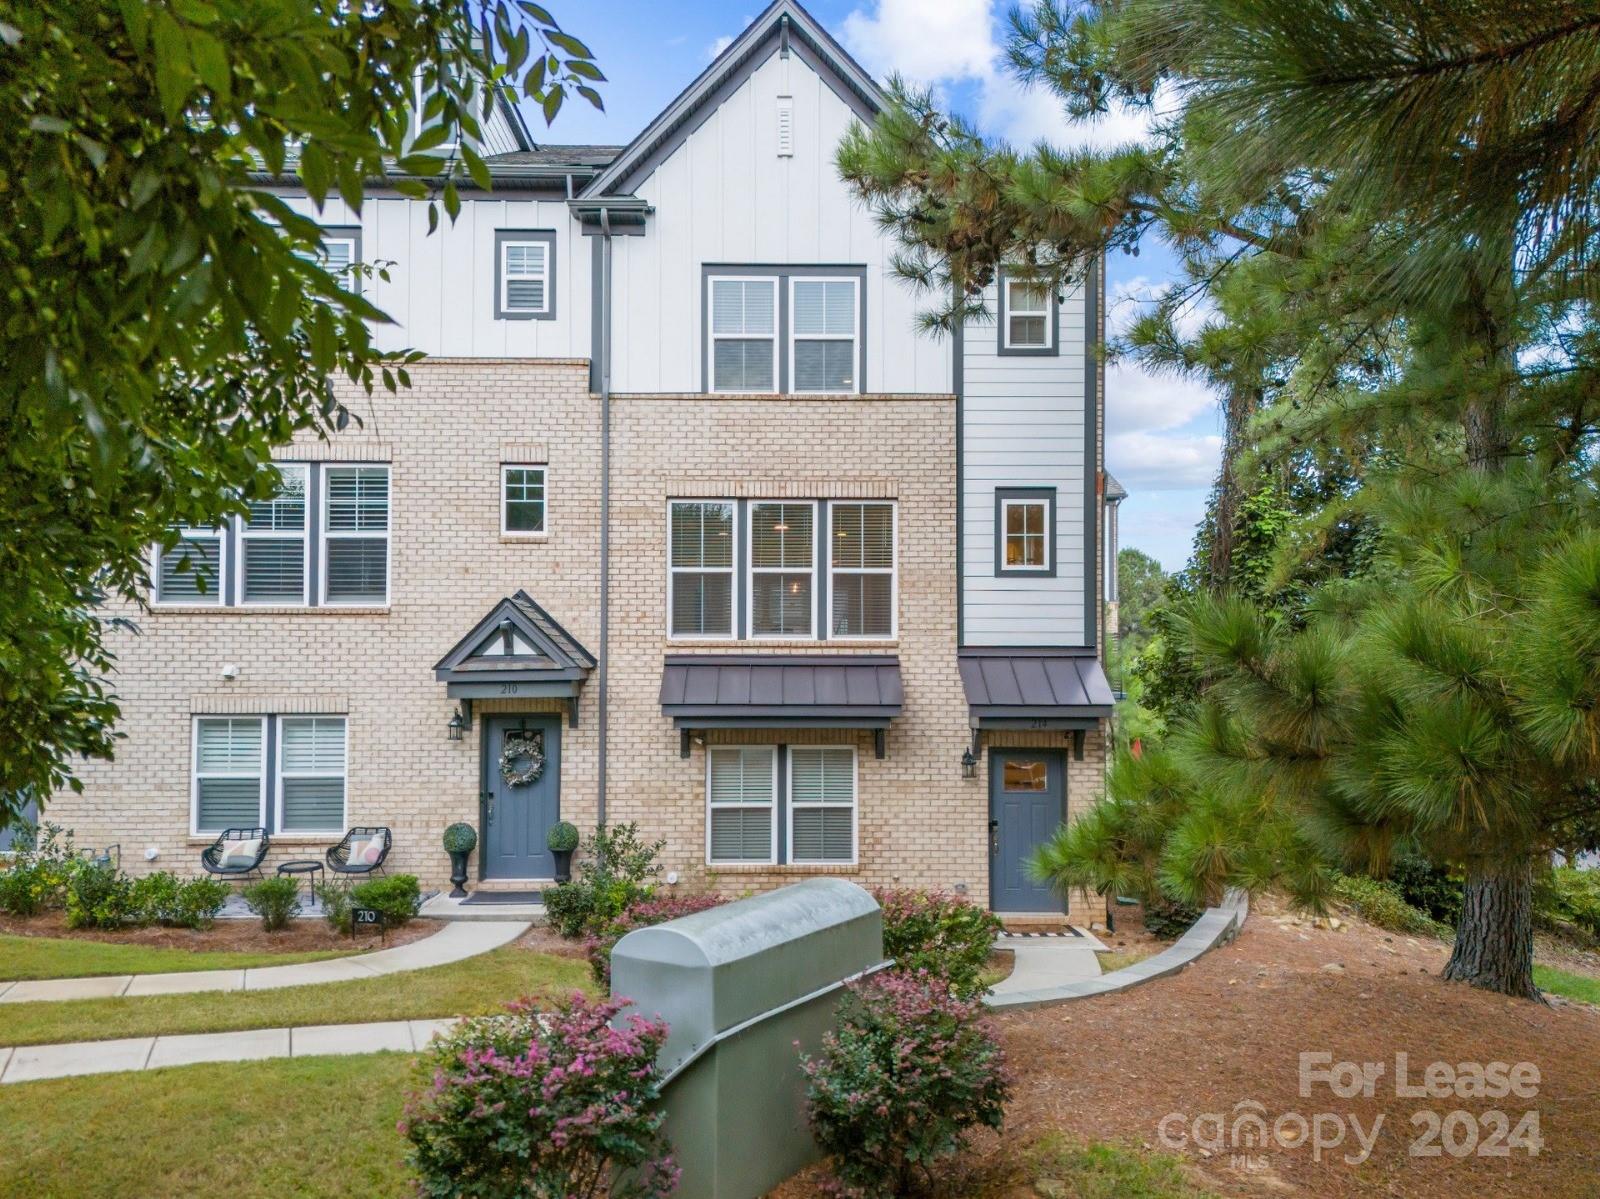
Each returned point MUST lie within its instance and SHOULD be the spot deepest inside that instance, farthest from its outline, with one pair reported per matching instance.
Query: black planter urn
(458, 871)
(563, 865)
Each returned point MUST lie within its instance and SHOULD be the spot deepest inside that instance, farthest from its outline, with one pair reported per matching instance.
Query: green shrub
(616, 870)
(640, 914)
(36, 878)
(1378, 902)
(1428, 888)
(1168, 919)
(1567, 901)
(460, 838)
(276, 900)
(909, 1069)
(562, 837)
(938, 933)
(98, 897)
(335, 897)
(398, 897)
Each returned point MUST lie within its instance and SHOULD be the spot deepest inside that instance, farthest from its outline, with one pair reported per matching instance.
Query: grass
(1102, 1171)
(468, 988)
(301, 1126)
(1561, 982)
(66, 957)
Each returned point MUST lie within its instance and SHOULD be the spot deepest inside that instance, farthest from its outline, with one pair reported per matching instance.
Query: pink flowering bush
(937, 932)
(542, 1104)
(908, 1070)
(640, 913)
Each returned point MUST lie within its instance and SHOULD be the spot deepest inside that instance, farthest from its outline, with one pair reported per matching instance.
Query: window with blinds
(700, 582)
(1027, 315)
(744, 334)
(823, 317)
(355, 535)
(272, 543)
(822, 804)
(741, 801)
(782, 567)
(229, 772)
(311, 773)
(191, 571)
(525, 276)
(522, 499)
(862, 569)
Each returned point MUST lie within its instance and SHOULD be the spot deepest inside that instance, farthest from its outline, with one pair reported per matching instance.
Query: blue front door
(518, 811)
(1027, 803)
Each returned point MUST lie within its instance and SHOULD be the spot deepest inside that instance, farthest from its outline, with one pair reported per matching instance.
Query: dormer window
(524, 275)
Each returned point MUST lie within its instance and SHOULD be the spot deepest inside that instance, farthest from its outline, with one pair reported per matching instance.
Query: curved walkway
(1043, 987)
(454, 942)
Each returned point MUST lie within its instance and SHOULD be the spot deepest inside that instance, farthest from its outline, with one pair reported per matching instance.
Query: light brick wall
(445, 438)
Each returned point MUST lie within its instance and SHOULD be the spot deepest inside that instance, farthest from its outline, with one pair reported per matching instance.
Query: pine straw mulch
(247, 936)
(1229, 1029)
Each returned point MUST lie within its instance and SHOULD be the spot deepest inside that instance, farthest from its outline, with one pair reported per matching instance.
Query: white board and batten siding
(1023, 425)
(441, 288)
(726, 196)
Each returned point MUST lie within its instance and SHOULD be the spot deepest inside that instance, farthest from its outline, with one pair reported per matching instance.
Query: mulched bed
(302, 936)
(1230, 1028)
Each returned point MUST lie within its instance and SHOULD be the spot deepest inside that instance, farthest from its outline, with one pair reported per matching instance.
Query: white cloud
(1138, 401)
(718, 46)
(1163, 462)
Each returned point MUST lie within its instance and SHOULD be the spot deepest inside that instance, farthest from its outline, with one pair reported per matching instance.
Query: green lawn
(68, 957)
(302, 1127)
(1562, 982)
(1102, 1171)
(468, 988)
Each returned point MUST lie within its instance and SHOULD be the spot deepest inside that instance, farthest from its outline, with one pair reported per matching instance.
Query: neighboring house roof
(1115, 492)
(1035, 685)
(783, 25)
(587, 157)
(781, 690)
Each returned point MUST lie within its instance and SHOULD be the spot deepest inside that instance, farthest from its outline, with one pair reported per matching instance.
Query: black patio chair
(211, 856)
(339, 856)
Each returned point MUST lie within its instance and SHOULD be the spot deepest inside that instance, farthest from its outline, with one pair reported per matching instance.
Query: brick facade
(445, 439)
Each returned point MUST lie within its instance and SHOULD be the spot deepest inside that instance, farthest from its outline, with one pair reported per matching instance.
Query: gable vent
(785, 126)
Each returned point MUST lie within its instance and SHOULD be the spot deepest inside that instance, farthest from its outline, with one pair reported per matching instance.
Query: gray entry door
(517, 817)
(1027, 803)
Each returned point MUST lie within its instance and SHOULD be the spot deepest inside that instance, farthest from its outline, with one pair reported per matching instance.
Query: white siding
(441, 286)
(498, 137)
(726, 196)
(1023, 426)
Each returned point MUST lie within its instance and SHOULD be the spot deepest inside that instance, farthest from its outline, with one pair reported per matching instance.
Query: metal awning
(787, 691)
(1037, 690)
(517, 651)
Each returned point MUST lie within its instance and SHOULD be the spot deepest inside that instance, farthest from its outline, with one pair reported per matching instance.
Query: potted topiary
(459, 841)
(562, 840)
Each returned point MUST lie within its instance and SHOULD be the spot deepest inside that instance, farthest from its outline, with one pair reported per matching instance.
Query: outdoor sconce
(456, 726)
(969, 764)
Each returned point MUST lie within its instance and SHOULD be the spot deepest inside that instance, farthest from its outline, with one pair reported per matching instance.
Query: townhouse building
(684, 520)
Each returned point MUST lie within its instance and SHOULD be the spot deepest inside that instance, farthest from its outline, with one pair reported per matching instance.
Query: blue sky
(1162, 433)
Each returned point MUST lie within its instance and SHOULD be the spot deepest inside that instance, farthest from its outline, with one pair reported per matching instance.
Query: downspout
(605, 501)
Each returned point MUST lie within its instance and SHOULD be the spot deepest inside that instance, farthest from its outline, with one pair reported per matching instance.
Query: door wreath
(522, 758)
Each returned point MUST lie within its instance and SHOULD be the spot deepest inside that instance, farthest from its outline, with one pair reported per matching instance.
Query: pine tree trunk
(1240, 405)
(1494, 939)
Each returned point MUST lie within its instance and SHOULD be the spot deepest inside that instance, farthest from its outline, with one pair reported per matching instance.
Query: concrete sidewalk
(1047, 962)
(454, 942)
(31, 1063)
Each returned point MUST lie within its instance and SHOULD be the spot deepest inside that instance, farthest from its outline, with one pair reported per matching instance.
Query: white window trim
(281, 773)
(1008, 503)
(505, 500)
(416, 121)
(711, 318)
(751, 570)
(245, 533)
(732, 571)
(893, 572)
(854, 336)
(772, 850)
(194, 773)
(217, 597)
(507, 278)
(1012, 310)
(325, 535)
(855, 808)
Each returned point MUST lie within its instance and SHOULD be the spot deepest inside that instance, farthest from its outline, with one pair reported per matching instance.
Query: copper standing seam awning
(1035, 691)
(788, 691)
